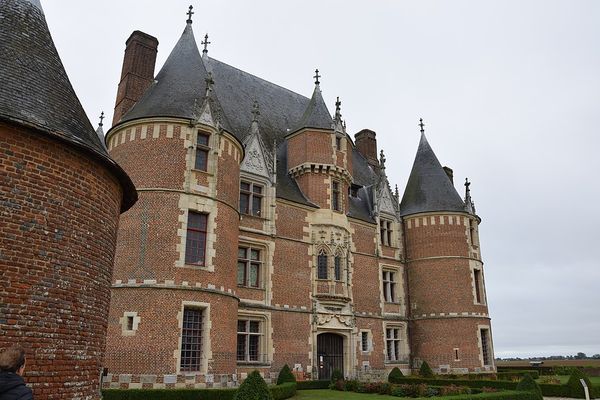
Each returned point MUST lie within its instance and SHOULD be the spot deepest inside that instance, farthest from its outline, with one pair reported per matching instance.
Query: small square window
(364, 341)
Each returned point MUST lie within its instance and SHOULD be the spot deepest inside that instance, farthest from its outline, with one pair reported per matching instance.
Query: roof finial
(422, 125)
(338, 113)
(469, 204)
(382, 159)
(317, 76)
(205, 43)
(190, 13)
(255, 111)
(101, 119)
(209, 82)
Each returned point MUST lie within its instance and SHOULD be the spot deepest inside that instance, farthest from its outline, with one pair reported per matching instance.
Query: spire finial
(382, 159)
(396, 193)
(422, 125)
(317, 76)
(209, 82)
(469, 204)
(101, 119)
(255, 111)
(338, 109)
(205, 43)
(190, 13)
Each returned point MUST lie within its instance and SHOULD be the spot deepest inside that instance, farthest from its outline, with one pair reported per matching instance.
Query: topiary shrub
(285, 375)
(254, 387)
(528, 384)
(425, 370)
(395, 376)
(337, 375)
(575, 388)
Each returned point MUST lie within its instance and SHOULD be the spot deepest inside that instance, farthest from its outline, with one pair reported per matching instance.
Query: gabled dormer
(386, 212)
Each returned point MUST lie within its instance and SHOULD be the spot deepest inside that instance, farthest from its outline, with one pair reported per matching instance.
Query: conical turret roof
(429, 188)
(35, 90)
(316, 114)
(179, 86)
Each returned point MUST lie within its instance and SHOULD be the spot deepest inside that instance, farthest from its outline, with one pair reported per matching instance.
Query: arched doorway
(330, 354)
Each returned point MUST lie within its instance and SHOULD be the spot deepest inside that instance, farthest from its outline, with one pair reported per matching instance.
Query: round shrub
(528, 384)
(395, 376)
(285, 375)
(575, 388)
(254, 387)
(425, 370)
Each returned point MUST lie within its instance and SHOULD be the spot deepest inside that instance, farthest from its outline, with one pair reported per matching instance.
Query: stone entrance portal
(330, 354)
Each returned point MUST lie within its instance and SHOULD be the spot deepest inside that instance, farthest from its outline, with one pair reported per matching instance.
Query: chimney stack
(366, 144)
(137, 73)
(450, 173)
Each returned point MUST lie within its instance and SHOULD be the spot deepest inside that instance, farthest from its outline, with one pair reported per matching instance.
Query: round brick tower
(61, 197)
(450, 326)
(173, 280)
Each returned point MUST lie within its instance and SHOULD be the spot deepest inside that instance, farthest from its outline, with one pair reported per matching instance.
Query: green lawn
(326, 394)
(595, 380)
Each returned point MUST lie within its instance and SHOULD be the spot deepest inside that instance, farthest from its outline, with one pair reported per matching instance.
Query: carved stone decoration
(255, 161)
(347, 320)
(206, 116)
(385, 202)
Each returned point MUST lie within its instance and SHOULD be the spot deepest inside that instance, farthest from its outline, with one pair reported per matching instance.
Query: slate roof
(429, 188)
(316, 114)
(35, 90)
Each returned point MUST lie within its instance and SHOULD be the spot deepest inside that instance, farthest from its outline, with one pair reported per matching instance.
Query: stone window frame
(403, 350)
(268, 196)
(203, 148)
(124, 322)
(322, 252)
(369, 337)
(387, 232)
(489, 346)
(265, 344)
(330, 267)
(393, 285)
(205, 350)
(201, 263)
(478, 285)
(249, 246)
(252, 195)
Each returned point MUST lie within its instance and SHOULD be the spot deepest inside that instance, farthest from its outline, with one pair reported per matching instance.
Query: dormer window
(202, 150)
(251, 196)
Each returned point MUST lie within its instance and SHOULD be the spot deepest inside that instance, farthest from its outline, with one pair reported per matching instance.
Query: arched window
(322, 265)
(337, 268)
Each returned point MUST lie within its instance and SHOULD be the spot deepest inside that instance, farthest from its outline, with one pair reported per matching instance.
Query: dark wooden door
(330, 354)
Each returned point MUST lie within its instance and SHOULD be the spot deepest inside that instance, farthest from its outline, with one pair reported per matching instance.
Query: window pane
(256, 205)
(191, 337)
(257, 189)
(241, 347)
(202, 139)
(254, 254)
(322, 266)
(197, 221)
(253, 347)
(245, 186)
(242, 252)
(241, 273)
(253, 279)
(254, 326)
(241, 325)
(195, 246)
(338, 268)
(201, 159)
(244, 203)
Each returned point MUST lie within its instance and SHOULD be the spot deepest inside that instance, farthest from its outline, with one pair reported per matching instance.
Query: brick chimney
(366, 144)
(137, 73)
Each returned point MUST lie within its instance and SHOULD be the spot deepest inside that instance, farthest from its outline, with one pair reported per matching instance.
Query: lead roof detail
(429, 189)
(35, 90)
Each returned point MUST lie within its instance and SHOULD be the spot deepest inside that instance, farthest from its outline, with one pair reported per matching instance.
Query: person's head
(12, 359)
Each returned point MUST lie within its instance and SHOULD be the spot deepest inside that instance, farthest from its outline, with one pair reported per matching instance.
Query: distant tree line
(578, 356)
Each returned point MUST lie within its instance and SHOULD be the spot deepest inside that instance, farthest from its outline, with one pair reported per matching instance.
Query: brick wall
(58, 223)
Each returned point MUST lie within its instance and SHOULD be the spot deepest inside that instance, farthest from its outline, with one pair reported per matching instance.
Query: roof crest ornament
(382, 159)
(317, 76)
(255, 111)
(422, 125)
(190, 13)
(209, 82)
(101, 119)
(338, 113)
(469, 204)
(205, 42)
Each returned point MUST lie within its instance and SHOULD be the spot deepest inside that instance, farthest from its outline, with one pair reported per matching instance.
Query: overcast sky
(509, 92)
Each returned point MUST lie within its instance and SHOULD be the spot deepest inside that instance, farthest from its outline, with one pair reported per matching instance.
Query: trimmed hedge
(518, 373)
(425, 371)
(279, 392)
(254, 387)
(307, 385)
(506, 395)
(168, 394)
(285, 375)
(283, 391)
(527, 383)
(575, 388)
(395, 376)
